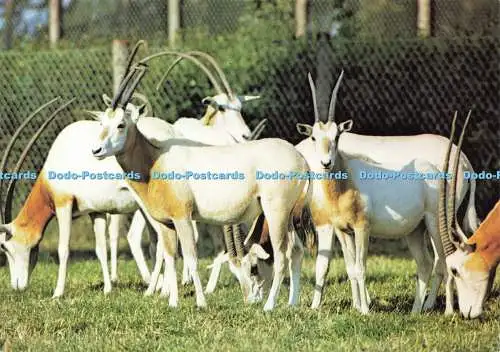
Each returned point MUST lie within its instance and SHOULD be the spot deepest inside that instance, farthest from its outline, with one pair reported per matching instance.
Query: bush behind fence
(394, 87)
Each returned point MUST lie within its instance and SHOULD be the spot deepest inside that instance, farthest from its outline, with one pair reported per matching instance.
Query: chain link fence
(394, 83)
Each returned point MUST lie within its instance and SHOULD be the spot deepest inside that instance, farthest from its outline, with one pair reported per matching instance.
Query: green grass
(87, 320)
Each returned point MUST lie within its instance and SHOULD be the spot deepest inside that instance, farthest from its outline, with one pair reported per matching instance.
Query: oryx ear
(304, 129)
(245, 98)
(142, 109)
(106, 99)
(258, 251)
(5, 233)
(96, 115)
(346, 126)
(207, 101)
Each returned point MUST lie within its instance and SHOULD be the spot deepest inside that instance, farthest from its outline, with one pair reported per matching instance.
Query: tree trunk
(120, 53)
(174, 21)
(54, 22)
(9, 24)
(300, 18)
(424, 18)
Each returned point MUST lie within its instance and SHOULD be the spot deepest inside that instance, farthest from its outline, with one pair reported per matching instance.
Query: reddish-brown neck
(34, 215)
(487, 237)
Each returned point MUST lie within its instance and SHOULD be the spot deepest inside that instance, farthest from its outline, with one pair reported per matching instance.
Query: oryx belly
(395, 206)
(70, 158)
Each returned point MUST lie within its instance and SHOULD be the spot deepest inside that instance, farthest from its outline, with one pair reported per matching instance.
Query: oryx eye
(454, 272)
(313, 139)
(3, 248)
(121, 126)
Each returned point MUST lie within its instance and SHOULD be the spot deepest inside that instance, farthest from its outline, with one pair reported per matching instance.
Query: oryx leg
(115, 222)
(186, 235)
(295, 264)
(186, 277)
(418, 249)
(134, 237)
(349, 253)
(99, 221)
(64, 219)
(361, 240)
(278, 228)
(325, 243)
(216, 266)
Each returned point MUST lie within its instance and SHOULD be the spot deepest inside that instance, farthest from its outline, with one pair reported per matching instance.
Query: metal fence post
(120, 51)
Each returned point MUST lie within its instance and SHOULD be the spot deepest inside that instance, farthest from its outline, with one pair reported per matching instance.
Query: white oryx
(356, 207)
(471, 263)
(222, 124)
(54, 195)
(240, 200)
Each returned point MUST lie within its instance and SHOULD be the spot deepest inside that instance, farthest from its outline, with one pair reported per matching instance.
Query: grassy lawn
(87, 320)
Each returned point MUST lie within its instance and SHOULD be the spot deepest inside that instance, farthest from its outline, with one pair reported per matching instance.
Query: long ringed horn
(257, 131)
(192, 59)
(333, 101)
(238, 241)
(451, 217)
(210, 59)
(141, 68)
(11, 144)
(22, 158)
(123, 85)
(132, 57)
(448, 246)
(313, 93)
(228, 238)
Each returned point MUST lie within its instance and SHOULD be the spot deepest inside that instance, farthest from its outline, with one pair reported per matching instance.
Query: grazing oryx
(471, 263)
(182, 201)
(69, 198)
(354, 207)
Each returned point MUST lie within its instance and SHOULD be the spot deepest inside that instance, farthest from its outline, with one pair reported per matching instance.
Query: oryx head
(224, 109)
(224, 112)
(325, 135)
(117, 122)
(20, 248)
(468, 268)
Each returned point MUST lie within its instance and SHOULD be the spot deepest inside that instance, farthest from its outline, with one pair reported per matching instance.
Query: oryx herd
(262, 225)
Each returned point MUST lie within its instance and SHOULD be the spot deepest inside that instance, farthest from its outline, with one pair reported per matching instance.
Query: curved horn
(313, 93)
(448, 246)
(123, 85)
(212, 61)
(11, 144)
(141, 68)
(217, 68)
(132, 56)
(238, 241)
(228, 238)
(24, 154)
(451, 217)
(257, 131)
(333, 101)
(193, 59)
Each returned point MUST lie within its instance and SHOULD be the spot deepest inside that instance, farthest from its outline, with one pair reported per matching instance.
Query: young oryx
(355, 208)
(95, 194)
(472, 263)
(185, 200)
